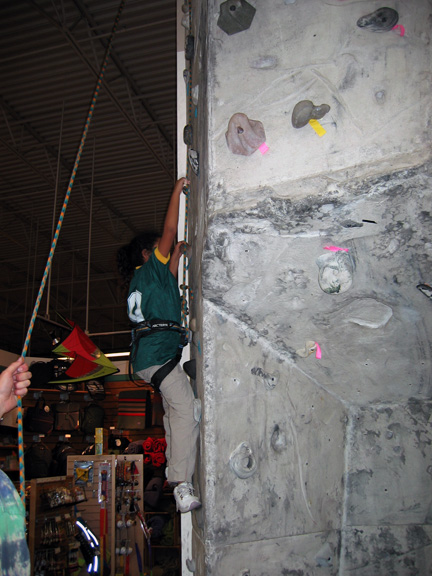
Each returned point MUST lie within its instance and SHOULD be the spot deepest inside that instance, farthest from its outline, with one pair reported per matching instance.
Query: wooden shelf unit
(51, 526)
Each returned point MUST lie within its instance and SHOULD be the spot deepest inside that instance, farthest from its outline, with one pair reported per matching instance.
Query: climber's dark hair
(130, 256)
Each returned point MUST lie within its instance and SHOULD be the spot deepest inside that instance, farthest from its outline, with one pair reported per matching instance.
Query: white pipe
(186, 519)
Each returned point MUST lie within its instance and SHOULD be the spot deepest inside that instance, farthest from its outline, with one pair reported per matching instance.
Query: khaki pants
(181, 428)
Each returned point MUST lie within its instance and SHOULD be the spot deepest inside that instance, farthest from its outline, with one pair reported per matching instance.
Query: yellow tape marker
(317, 127)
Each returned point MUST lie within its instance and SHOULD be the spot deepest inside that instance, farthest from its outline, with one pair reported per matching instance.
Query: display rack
(114, 520)
(98, 511)
(51, 527)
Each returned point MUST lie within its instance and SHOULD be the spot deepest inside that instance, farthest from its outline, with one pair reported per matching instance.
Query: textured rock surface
(340, 447)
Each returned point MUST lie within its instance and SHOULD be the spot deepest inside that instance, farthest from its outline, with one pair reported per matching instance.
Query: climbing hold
(270, 380)
(265, 63)
(309, 347)
(425, 289)
(193, 158)
(382, 20)
(242, 461)
(235, 16)
(188, 135)
(197, 410)
(324, 558)
(195, 95)
(335, 272)
(189, 47)
(186, 18)
(305, 111)
(351, 224)
(380, 96)
(190, 565)
(190, 368)
(186, 250)
(367, 312)
(244, 136)
(278, 439)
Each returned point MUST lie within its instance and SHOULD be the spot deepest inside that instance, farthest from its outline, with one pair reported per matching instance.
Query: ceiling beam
(69, 37)
(124, 72)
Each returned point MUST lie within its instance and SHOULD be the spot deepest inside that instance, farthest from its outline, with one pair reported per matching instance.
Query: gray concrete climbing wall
(313, 465)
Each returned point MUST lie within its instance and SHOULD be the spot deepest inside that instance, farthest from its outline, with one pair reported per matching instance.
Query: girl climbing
(151, 272)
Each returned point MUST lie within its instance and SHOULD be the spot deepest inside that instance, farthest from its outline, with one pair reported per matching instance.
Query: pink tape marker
(263, 148)
(318, 351)
(402, 29)
(335, 248)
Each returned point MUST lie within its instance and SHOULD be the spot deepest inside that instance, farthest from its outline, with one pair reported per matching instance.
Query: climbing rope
(54, 242)
(184, 287)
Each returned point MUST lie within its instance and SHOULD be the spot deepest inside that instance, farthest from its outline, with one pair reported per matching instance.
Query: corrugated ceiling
(51, 52)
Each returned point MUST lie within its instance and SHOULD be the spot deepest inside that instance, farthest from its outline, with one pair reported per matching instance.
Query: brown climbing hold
(305, 111)
(244, 136)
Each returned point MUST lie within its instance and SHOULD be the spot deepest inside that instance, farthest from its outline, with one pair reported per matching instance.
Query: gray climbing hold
(242, 461)
(270, 380)
(235, 16)
(244, 136)
(382, 20)
(305, 111)
(193, 158)
(278, 439)
(425, 289)
(265, 63)
(335, 272)
(351, 224)
(190, 565)
(380, 96)
(188, 135)
(367, 312)
(186, 18)
(324, 558)
(189, 47)
(195, 94)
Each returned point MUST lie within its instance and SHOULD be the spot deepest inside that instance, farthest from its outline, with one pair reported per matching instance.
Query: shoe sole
(193, 506)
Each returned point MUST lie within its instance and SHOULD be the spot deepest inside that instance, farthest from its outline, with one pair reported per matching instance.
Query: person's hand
(179, 249)
(180, 184)
(14, 382)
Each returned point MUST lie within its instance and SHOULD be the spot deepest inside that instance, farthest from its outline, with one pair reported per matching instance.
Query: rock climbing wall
(312, 319)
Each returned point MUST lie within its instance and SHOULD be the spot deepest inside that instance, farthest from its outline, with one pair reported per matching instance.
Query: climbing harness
(152, 327)
(54, 243)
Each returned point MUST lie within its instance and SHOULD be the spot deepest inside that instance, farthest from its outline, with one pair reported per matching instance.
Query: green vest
(154, 294)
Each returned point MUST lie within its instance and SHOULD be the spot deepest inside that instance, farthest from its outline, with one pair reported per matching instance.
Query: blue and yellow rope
(55, 239)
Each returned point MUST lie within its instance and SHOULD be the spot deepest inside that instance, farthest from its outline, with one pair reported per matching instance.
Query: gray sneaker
(185, 498)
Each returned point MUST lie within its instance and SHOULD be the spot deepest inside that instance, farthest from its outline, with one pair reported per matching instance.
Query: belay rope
(184, 286)
(54, 242)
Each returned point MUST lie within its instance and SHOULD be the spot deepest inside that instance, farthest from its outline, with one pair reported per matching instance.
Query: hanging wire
(90, 240)
(55, 204)
(54, 242)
